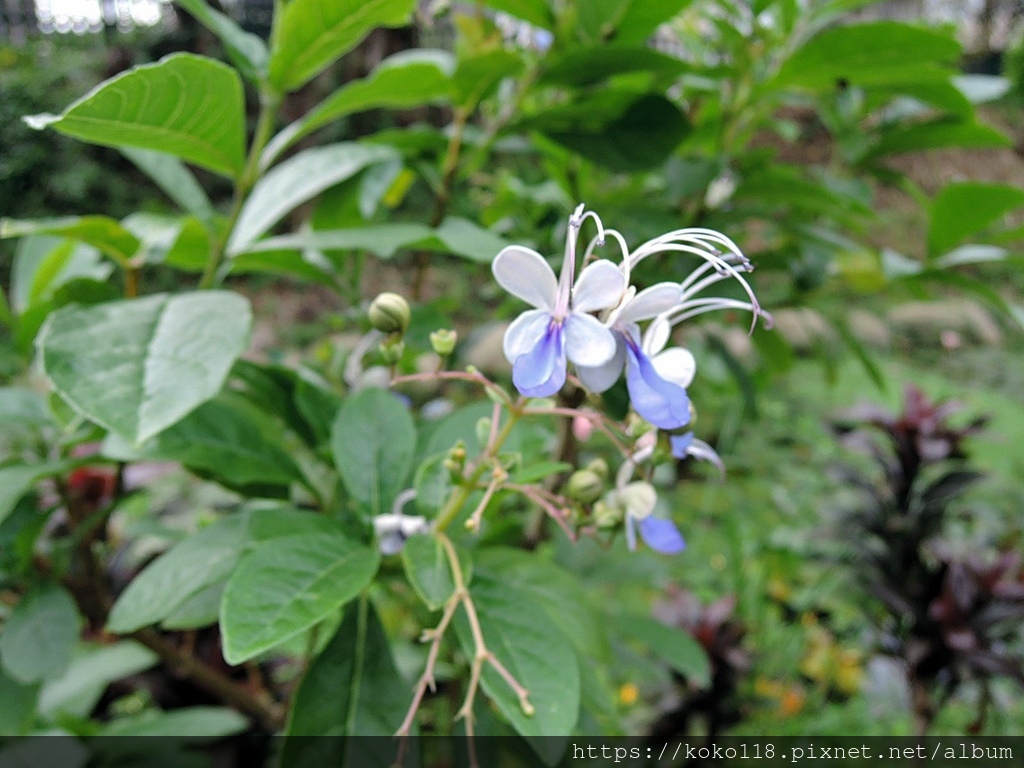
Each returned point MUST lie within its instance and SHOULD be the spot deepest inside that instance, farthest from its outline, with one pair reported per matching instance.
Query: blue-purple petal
(662, 403)
(541, 371)
(681, 444)
(662, 535)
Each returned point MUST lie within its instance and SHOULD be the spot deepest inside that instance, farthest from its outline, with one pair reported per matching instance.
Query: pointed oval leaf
(247, 51)
(374, 439)
(965, 209)
(626, 21)
(286, 586)
(310, 34)
(406, 79)
(184, 570)
(537, 654)
(297, 180)
(101, 232)
(137, 367)
(40, 634)
(185, 105)
(353, 688)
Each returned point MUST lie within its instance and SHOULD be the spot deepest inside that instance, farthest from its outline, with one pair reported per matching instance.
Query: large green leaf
(22, 409)
(964, 209)
(40, 634)
(137, 367)
(43, 263)
(872, 53)
(204, 558)
(176, 181)
(353, 688)
(247, 51)
(184, 723)
(286, 586)
(625, 21)
(679, 649)
(934, 134)
(77, 691)
(17, 706)
(428, 570)
(227, 440)
(17, 479)
(310, 34)
(406, 79)
(101, 232)
(592, 64)
(374, 440)
(621, 130)
(185, 105)
(537, 654)
(455, 235)
(297, 180)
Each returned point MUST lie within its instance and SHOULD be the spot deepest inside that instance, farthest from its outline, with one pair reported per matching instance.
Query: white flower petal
(525, 332)
(676, 365)
(587, 342)
(651, 302)
(599, 286)
(639, 499)
(524, 273)
(656, 336)
(598, 378)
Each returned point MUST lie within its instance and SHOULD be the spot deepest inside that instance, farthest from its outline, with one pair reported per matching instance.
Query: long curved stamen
(700, 306)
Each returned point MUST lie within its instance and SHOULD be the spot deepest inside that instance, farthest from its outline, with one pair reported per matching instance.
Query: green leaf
(353, 688)
(374, 440)
(227, 440)
(247, 51)
(205, 558)
(297, 180)
(185, 105)
(621, 130)
(286, 586)
(536, 12)
(534, 651)
(586, 66)
(101, 232)
(40, 634)
(679, 649)
(554, 590)
(432, 483)
(626, 21)
(962, 210)
(427, 570)
(477, 76)
(78, 690)
(405, 79)
(872, 53)
(934, 134)
(186, 723)
(308, 35)
(44, 264)
(17, 706)
(160, 357)
(18, 479)
(174, 179)
(22, 408)
(280, 521)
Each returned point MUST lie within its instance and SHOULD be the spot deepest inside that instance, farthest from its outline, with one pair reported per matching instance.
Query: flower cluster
(594, 320)
(605, 326)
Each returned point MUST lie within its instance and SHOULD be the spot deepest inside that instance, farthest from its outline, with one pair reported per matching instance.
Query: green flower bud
(599, 467)
(392, 351)
(584, 486)
(455, 461)
(607, 515)
(389, 313)
(483, 429)
(443, 341)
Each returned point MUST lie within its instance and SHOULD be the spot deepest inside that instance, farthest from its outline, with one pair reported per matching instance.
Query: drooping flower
(687, 445)
(637, 501)
(395, 527)
(560, 328)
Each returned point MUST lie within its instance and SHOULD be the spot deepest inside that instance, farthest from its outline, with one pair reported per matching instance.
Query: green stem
(460, 494)
(269, 103)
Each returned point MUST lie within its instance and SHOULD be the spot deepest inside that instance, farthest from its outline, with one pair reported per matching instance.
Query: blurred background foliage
(871, 169)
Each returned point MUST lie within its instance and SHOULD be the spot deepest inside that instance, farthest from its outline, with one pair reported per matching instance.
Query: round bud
(607, 515)
(389, 313)
(443, 341)
(584, 486)
(599, 467)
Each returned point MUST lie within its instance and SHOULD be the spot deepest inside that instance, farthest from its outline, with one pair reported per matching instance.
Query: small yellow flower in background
(629, 694)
